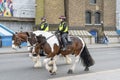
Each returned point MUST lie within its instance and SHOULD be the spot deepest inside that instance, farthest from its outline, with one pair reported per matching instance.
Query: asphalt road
(20, 66)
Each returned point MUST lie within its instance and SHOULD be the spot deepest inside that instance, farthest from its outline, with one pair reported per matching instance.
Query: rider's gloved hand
(56, 32)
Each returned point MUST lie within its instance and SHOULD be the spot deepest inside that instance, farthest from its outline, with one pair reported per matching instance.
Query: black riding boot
(64, 41)
(64, 46)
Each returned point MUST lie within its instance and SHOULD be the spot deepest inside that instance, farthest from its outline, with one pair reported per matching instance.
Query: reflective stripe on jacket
(44, 27)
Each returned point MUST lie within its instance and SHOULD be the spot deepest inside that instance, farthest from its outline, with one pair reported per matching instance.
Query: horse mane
(41, 39)
(27, 34)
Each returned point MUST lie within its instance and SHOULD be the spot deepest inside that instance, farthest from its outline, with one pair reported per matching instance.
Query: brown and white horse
(51, 46)
(30, 38)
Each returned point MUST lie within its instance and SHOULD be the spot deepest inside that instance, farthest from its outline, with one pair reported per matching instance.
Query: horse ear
(15, 32)
(27, 34)
(37, 37)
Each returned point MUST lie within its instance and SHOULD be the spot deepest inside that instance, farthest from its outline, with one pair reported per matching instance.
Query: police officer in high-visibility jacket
(44, 25)
(63, 30)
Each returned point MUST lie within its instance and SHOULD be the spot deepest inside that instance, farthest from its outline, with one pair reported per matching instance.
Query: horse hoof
(53, 73)
(70, 71)
(50, 71)
(86, 69)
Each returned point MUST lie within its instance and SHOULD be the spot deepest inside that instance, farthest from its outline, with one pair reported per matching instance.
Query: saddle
(69, 41)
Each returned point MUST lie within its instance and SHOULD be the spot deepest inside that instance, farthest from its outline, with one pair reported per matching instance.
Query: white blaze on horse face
(13, 46)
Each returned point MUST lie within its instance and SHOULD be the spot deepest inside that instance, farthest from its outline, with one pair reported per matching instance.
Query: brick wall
(54, 9)
(76, 12)
(109, 13)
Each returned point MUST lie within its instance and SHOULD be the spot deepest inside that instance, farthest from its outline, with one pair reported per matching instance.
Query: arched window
(97, 18)
(93, 1)
(88, 17)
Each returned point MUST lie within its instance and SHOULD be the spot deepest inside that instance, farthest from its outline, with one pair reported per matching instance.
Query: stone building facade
(95, 16)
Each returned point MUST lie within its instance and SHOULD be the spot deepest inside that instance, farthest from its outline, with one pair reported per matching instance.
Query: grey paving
(103, 75)
(9, 50)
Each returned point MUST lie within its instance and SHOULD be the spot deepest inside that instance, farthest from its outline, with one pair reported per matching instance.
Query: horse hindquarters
(86, 58)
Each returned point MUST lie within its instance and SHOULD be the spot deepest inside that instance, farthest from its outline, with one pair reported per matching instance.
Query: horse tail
(86, 58)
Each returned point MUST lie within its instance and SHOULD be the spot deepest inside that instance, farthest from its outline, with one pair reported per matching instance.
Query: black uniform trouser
(64, 39)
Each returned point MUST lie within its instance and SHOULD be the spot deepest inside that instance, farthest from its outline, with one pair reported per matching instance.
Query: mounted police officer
(63, 30)
(44, 25)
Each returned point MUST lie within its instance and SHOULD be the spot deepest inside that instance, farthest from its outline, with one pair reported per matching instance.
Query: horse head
(18, 38)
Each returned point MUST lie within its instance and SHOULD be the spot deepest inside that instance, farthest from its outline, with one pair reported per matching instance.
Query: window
(93, 1)
(97, 18)
(88, 17)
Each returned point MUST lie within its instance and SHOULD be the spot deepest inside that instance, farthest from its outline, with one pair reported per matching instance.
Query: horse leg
(46, 62)
(54, 67)
(68, 59)
(37, 61)
(50, 65)
(70, 71)
(86, 68)
(30, 54)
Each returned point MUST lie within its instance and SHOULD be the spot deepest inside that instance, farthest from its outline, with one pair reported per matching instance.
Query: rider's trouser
(64, 39)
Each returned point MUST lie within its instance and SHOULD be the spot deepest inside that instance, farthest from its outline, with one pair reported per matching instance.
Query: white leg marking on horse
(29, 46)
(68, 59)
(76, 61)
(54, 66)
(46, 61)
(33, 50)
(30, 55)
(37, 62)
(34, 59)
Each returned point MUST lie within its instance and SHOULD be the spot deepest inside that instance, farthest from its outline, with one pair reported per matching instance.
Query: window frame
(93, 2)
(88, 17)
(97, 17)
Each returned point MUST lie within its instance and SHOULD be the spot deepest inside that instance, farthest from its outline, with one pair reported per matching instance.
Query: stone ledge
(17, 19)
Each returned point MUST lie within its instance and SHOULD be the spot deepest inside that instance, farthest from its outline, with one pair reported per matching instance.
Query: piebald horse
(30, 38)
(52, 48)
